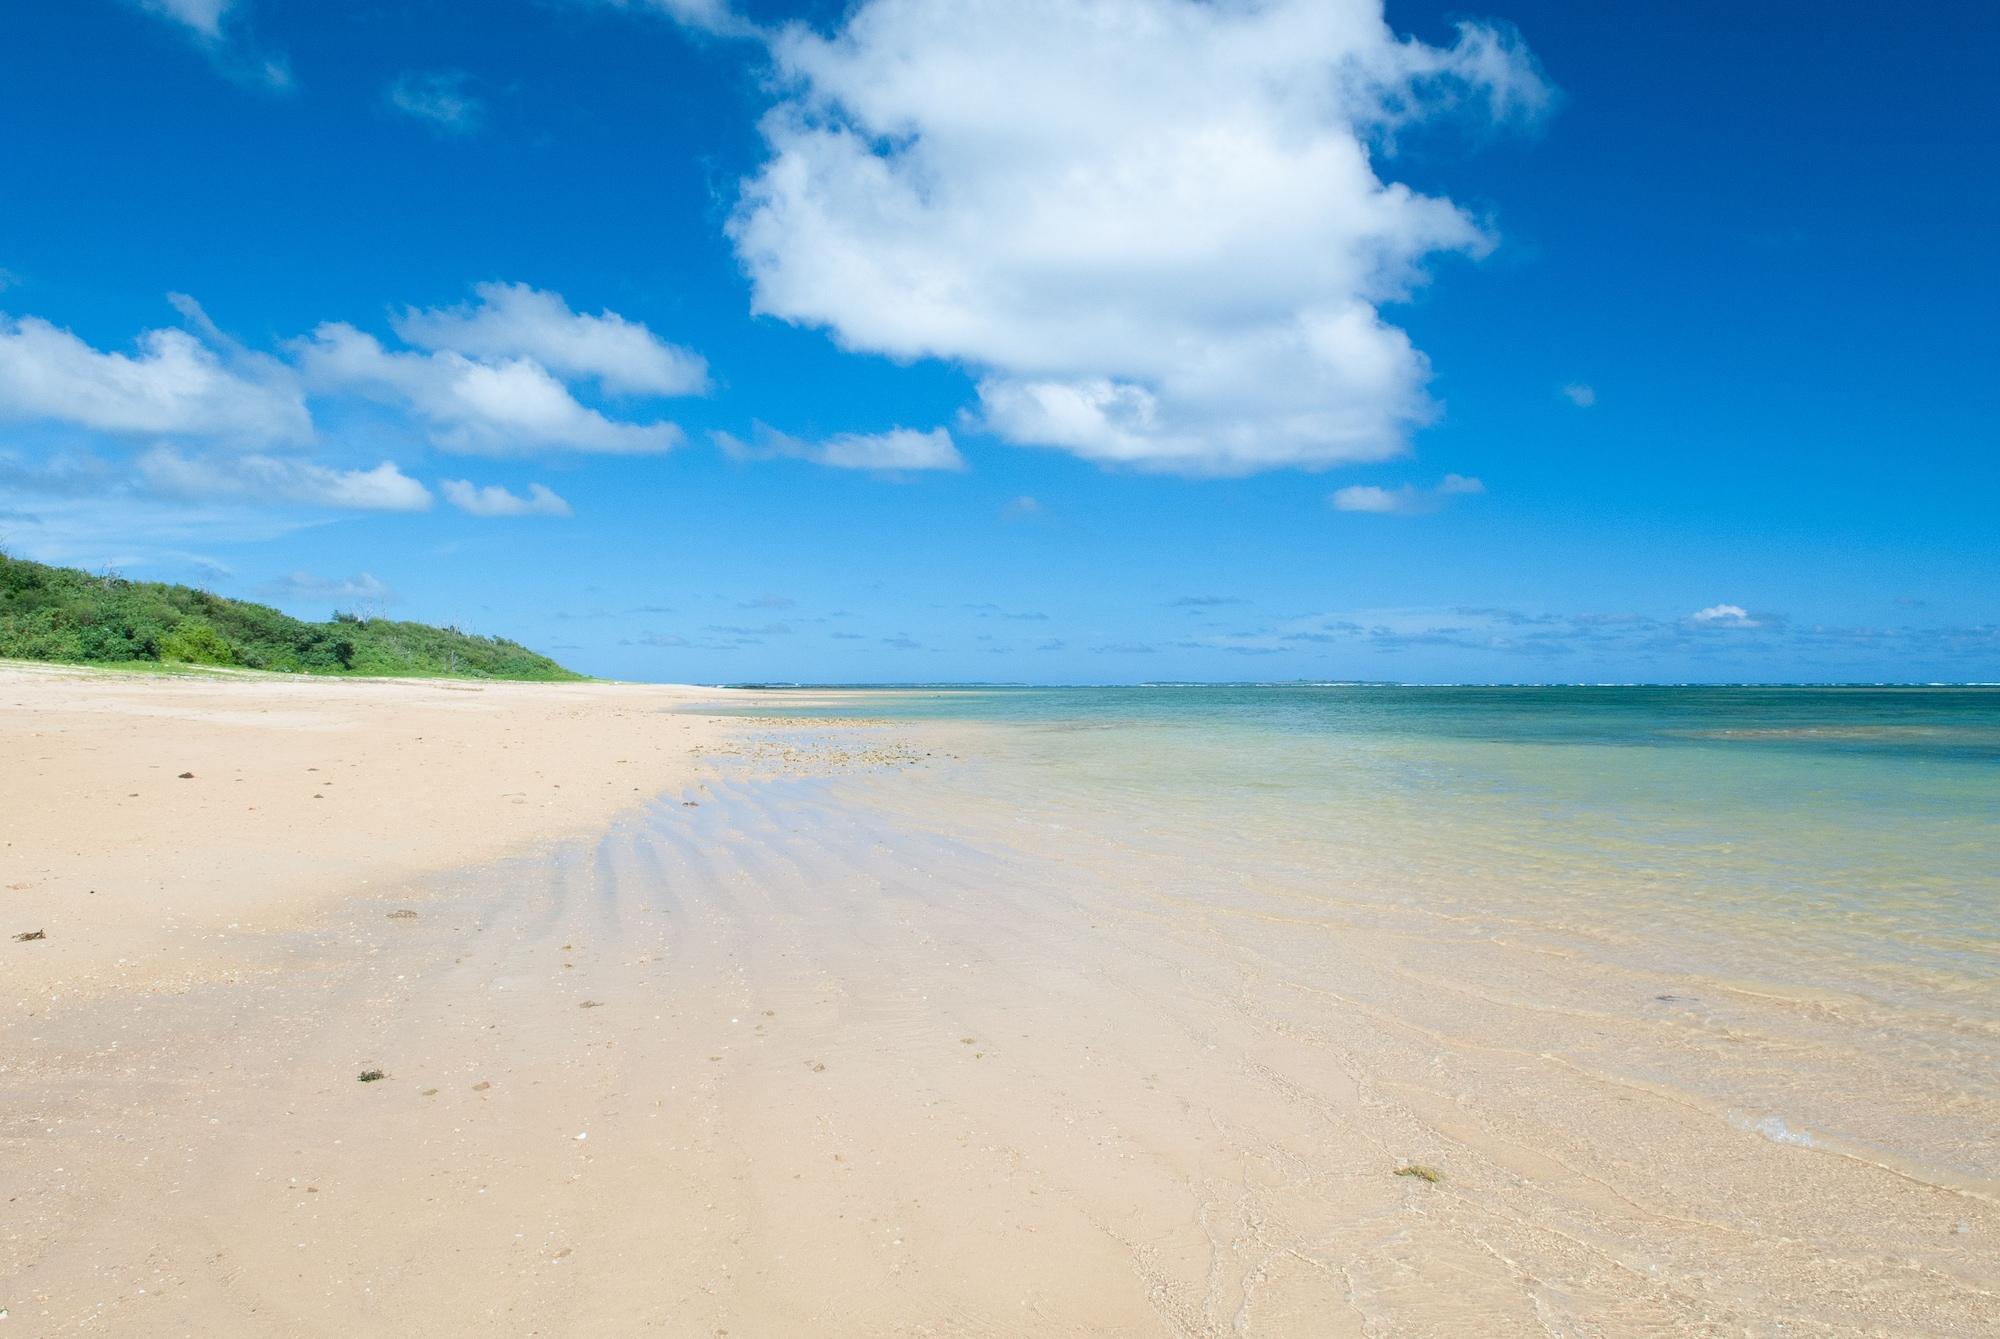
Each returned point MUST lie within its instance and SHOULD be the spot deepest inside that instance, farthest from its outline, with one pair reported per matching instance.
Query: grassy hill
(61, 614)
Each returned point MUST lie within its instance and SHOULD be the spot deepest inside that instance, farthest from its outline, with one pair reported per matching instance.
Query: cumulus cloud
(1171, 256)
(517, 321)
(188, 427)
(493, 500)
(1725, 616)
(280, 479)
(442, 99)
(172, 384)
(1408, 500)
(503, 406)
(894, 451)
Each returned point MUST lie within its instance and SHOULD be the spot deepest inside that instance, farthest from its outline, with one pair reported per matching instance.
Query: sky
(1046, 341)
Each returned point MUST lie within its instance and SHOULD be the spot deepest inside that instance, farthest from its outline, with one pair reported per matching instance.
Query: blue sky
(1095, 341)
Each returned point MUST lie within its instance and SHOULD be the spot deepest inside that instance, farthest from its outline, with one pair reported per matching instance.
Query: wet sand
(844, 1031)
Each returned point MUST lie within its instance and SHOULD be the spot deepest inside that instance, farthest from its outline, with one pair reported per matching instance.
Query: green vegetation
(1421, 1172)
(61, 614)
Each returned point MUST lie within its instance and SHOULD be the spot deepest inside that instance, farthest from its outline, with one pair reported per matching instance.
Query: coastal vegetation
(65, 615)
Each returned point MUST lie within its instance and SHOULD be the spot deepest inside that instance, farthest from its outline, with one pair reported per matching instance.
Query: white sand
(838, 1035)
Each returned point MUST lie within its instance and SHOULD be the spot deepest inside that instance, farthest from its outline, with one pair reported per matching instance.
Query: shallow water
(1817, 867)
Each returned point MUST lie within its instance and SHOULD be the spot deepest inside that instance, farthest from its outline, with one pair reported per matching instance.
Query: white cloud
(280, 479)
(215, 25)
(493, 500)
(441, 98)
(1152, 228)
(204, 17)
(364, 588)
(1408, 500)
(1368, 497)
(517, 321)
(896, 450)
(500, 407)
(716, 17)
(173, 384)
(185, 434)
(1581, 394)
(1725, 616)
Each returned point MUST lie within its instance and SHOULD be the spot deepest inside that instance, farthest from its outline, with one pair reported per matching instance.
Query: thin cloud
(441, 99)
(764, 630)
(1408, 500)
(218, 28)
(362, 588)
(716, 18)
(280, 479)
(493, 500)
(897, 451)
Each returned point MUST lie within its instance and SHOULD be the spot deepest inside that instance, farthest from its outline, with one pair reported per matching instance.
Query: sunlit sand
(690, 1022)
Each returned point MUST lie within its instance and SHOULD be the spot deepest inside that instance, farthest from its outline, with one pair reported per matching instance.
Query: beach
(696, 1011)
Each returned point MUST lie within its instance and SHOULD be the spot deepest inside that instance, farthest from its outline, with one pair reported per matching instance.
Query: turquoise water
(1911, 722)
(1836, 838)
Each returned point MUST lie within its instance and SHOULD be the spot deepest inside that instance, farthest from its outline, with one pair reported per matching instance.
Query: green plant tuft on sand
(371, 1076)
(1421, 1172)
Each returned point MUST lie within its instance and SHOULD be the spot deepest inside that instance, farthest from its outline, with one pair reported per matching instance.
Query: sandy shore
(146, 818)
(851, 1030)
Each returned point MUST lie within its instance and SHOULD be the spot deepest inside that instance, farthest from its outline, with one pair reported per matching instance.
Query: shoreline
(866, 1026)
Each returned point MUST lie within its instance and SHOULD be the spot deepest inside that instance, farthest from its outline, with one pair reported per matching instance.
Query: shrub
(61, 614)
(195, 642)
